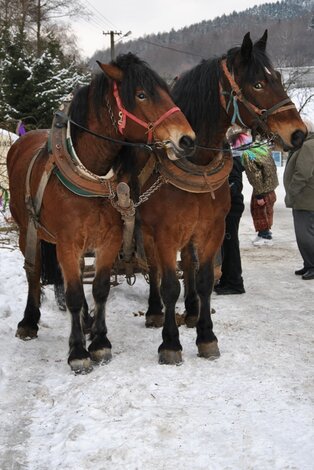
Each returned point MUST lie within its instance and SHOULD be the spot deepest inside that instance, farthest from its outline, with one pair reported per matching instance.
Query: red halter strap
(124, 113)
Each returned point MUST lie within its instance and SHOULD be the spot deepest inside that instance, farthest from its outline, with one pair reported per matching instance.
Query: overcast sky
(146, 17)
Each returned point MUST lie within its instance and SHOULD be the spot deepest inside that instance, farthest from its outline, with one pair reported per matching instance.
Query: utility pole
(112, 35)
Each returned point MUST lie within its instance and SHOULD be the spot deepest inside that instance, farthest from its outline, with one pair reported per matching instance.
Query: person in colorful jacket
(261, 171)
(299, 187)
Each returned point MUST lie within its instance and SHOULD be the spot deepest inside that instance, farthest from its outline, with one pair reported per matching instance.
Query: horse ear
(111, 71)
(261, 43)
(247, 47)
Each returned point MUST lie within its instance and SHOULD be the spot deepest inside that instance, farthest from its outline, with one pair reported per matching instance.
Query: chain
(111, 115)
(145, 196)
(100, 179)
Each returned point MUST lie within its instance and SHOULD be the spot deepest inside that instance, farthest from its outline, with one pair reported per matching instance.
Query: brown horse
(126, 103)
(241, 87)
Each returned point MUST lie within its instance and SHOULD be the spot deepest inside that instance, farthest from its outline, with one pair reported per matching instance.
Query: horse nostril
(187, 143)
(297, 138)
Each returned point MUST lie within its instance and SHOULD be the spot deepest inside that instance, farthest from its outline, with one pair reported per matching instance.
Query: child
(261, 172)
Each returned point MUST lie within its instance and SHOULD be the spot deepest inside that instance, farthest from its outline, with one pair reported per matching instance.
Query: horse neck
(97, 154)
(214, 142)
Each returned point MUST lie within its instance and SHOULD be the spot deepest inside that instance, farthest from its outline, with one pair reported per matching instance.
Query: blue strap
(236, 113)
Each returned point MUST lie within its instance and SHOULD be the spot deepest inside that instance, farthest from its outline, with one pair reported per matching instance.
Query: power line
(170, 48)
(106, 19)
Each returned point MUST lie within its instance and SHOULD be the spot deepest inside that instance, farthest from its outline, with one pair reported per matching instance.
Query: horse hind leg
(154, 317)
(27, 328)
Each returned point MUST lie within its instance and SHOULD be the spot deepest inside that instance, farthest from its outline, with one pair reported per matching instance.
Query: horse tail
(50, 268)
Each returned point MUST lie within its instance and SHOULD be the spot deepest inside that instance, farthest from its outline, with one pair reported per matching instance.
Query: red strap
(123, 113)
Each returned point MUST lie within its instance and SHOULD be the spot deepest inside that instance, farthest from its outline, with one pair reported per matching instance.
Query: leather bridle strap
(124, 113)
(260, 114)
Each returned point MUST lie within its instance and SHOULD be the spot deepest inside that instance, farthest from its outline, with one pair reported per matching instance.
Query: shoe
(260, 241)
(308, 275)
(225, 290)
(300, 272)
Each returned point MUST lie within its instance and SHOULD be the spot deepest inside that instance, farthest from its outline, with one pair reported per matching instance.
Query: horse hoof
(81, 366)
(154, 321)
(191, 320)
(102, 356)
(26, 333)
(170, 357)
(208, 350)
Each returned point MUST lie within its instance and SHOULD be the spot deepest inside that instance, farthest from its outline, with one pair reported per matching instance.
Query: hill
(290, 24)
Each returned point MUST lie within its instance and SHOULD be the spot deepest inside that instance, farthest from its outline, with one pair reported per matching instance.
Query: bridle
(124, 113)
(235, 95)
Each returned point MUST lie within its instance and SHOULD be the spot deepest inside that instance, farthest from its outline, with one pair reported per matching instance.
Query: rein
(65, 118)
(235, 95)
(240, 148)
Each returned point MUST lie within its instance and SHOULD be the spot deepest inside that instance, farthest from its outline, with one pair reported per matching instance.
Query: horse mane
(197, 91)
(136, 74)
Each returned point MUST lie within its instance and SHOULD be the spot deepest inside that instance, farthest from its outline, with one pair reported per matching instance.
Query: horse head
(142, 109)
(254, 95)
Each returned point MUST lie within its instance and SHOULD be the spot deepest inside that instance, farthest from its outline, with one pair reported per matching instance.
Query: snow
(253, 408)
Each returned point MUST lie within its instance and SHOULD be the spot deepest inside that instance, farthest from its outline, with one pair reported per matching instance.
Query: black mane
(138, 74)
(196, 93)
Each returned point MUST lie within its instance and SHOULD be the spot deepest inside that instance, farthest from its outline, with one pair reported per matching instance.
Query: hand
(261, 202)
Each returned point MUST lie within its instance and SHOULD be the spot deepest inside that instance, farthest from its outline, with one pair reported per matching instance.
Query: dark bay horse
(127, 101)
(241, 87)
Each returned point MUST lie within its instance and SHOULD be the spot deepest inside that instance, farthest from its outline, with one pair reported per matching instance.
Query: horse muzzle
(185, 149)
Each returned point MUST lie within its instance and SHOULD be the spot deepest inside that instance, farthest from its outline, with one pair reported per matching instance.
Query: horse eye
(258, 86)
(141, 95)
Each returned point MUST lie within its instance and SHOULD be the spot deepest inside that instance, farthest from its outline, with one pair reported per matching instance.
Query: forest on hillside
(290, 25)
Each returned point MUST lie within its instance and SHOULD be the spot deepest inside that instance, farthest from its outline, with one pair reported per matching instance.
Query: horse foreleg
(28, 327)
(170, 349)
(100, 347)
(79, 358)
(206, 341)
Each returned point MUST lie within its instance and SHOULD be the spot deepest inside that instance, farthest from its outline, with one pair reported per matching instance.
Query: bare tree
(44, 14)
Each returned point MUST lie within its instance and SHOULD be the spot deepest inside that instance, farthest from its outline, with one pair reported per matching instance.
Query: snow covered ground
(252, 409)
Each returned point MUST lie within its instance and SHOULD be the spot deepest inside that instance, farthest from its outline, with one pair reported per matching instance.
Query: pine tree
(54, 77)
(31, 88)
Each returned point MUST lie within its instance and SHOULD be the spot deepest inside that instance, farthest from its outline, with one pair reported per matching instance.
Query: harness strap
(236, 94)
(33, 208)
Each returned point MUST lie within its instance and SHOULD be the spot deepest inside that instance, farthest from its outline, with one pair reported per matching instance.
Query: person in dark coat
(299, 186)
(231, 281)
